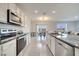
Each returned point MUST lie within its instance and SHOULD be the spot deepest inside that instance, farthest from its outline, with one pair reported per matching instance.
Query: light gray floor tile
(37, 48)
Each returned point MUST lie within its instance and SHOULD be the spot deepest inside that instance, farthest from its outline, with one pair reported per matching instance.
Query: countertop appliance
(13, 18)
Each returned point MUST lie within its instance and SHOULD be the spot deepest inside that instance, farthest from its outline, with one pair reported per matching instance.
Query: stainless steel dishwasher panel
(63, 49)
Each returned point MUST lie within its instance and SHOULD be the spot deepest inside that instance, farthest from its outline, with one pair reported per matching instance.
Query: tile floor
(37, 48)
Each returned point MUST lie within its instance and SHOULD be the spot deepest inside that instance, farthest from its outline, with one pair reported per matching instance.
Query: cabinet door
(76, 52)
(48, 41)
(13, 7)
(18, 10)
(53, 45)
(63, 49)
(3, 12)
(9, 48)
(23, 18)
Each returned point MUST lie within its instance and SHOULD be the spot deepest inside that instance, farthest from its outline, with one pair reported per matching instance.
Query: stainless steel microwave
(13, 18)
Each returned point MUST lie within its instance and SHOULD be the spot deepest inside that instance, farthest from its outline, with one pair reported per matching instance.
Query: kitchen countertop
(11, 38)
(71, 40)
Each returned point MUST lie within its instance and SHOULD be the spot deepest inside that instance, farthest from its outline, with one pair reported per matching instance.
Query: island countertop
(71, 40)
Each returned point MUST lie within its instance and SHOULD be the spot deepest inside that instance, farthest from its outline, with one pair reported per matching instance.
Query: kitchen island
(70, 41)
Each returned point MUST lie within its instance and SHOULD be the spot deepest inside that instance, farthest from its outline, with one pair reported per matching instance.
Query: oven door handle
(20, 37)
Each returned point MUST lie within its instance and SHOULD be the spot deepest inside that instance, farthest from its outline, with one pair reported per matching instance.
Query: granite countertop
(11, 38)
(71, 40)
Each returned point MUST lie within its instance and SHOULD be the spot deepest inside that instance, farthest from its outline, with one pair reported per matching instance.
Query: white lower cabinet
(48, 41)
(53, 45)
(9, 48)
(0, 50)
(76, 52)
(63, 49)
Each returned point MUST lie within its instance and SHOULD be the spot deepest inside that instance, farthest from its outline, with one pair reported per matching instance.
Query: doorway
(41, 32)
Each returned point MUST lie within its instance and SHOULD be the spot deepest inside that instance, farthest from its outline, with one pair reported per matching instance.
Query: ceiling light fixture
(43, 18)
(53, 11)
(76, 17)
(36, 11)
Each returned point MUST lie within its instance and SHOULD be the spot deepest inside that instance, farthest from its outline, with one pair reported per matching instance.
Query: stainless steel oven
(21, 43)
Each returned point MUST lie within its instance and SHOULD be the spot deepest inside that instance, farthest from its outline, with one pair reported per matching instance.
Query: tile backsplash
(11, 27)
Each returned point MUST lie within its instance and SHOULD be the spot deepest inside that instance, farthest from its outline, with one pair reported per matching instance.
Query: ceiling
(64, 11)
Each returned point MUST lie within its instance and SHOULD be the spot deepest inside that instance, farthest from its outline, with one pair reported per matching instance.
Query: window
(61, 27)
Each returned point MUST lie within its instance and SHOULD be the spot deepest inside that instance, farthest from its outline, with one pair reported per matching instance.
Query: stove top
(6, 33)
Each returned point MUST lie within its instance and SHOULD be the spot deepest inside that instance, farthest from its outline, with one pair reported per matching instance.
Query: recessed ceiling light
(53, 11)
(75, 17)
(45, 18)
(36, 11)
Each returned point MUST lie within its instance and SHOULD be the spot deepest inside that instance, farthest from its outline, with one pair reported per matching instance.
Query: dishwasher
(63, 49)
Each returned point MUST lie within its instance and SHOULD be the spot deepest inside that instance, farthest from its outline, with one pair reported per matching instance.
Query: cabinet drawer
(63, 49)
(9, 48)
(8, 44)
(11, 51)
(62, 44)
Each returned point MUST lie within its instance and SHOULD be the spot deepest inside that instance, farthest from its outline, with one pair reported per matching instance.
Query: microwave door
(13, 18)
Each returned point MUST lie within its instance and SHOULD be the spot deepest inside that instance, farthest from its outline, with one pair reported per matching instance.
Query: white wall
(50, 25)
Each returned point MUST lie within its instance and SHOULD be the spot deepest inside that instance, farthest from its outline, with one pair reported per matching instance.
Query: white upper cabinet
(23, 18)
(3, 12)
(18, 10)
(13, 7)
